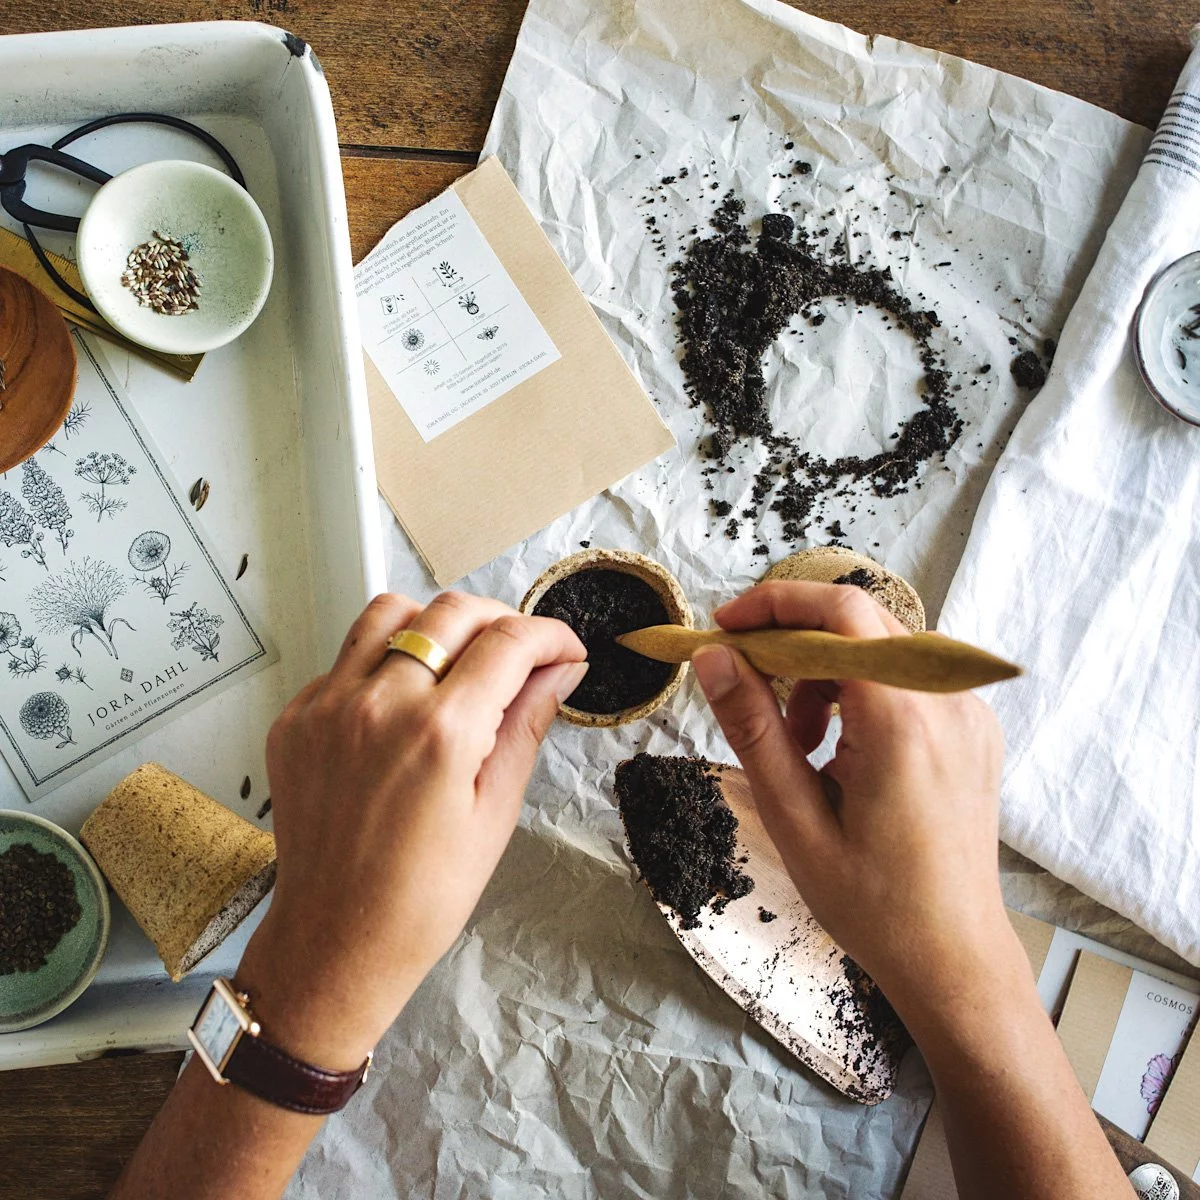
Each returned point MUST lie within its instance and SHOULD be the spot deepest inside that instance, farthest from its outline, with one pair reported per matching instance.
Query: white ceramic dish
(1167, 338)
(223, 231)
(276, 421)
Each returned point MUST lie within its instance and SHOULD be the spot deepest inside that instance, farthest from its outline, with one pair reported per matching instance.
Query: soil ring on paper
(734, 298)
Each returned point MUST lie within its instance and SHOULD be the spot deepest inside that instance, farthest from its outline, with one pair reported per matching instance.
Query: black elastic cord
(127, 119)
(52, 271)
(158, 119)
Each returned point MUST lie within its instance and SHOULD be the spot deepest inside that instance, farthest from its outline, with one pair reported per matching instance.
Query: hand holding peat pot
(893, 844)
(394, 792)
(397, 779)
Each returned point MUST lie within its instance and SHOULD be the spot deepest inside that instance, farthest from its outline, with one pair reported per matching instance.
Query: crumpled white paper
(568, 1046)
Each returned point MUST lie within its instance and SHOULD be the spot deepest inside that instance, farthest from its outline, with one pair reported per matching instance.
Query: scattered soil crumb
(682, 835)
(860, 577)
(1028, 371)
(861, 1012)
(766, 916)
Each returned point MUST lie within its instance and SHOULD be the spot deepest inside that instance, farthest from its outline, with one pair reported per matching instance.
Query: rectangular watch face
(217, 1029)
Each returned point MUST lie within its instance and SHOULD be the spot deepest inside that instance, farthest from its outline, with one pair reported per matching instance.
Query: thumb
(787, 791)
(505, 772)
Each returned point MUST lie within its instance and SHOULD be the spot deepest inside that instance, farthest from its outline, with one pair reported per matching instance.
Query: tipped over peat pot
(601, 594)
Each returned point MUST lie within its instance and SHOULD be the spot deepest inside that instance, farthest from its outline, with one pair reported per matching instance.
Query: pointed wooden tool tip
(664, 643)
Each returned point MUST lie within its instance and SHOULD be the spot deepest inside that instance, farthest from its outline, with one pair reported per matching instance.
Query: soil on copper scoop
(682, 834)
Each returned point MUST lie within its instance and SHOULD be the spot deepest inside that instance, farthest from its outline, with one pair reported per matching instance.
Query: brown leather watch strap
(276, 1076)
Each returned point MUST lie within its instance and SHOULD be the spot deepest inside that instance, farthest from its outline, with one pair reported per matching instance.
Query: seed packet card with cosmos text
(1124, 1031)
(114, 616)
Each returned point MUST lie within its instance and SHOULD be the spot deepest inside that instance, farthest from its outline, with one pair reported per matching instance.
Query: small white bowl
(1168, 356)
(220, 226)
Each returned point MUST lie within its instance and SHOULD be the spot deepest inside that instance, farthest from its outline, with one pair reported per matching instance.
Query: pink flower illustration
(1154, 1083)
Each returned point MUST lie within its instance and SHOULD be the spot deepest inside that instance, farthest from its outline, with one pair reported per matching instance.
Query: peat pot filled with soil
(602, 594)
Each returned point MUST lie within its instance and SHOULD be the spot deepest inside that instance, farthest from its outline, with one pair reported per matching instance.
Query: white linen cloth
(1084, 565)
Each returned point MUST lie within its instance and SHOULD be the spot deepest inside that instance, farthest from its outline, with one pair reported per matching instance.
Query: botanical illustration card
(114, 616)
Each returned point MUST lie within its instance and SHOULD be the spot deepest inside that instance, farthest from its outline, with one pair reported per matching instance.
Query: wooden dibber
(923, 662)
(187, 868)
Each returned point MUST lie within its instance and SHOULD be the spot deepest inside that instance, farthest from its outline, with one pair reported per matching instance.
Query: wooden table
(414, 83)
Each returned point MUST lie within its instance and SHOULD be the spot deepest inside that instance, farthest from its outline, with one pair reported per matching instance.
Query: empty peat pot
(602, 594)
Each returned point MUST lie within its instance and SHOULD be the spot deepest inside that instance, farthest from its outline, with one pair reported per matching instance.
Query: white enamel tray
(277, 423)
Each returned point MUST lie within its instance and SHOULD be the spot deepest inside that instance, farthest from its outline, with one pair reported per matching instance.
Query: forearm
(1016, 1120)
(216, 1141)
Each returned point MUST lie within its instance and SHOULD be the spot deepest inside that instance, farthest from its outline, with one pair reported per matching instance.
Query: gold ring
(424, 649)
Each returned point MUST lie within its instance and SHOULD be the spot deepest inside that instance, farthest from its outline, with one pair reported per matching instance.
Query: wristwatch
(228, 1041)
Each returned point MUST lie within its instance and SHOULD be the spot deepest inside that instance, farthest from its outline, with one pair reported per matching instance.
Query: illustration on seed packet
(1154, 1082)
(114, 616)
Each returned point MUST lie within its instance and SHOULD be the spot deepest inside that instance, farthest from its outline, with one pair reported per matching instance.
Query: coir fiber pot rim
(666, 587)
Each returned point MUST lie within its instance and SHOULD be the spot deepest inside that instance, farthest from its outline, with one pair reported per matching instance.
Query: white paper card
(114, 617)
(443, 320)
(1054, 981)
(1151, 1033)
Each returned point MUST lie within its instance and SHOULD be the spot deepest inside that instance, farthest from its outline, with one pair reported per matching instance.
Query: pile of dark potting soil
(682, 834)
(38, 907)
(599, 605)
(734, 297)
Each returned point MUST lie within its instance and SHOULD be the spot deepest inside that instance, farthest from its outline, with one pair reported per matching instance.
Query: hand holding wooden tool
(924, 662)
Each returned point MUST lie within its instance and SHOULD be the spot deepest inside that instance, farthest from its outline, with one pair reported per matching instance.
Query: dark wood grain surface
(414, 83)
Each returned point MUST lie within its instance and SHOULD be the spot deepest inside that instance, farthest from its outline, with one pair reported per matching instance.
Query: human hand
(394, 796)
(893, 845)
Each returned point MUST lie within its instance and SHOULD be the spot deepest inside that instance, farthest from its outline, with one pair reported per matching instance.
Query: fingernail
(568, 677)
(717, 671)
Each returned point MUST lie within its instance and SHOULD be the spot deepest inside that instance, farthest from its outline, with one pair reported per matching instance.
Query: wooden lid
(37, 369)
